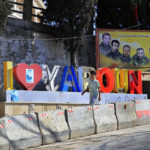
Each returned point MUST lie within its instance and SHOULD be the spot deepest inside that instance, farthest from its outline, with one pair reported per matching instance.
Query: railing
(25, 10)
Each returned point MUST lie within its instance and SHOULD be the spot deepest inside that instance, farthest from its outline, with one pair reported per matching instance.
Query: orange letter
(109, 79)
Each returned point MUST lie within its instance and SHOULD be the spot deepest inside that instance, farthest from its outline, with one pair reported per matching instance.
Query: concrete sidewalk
(131, 138)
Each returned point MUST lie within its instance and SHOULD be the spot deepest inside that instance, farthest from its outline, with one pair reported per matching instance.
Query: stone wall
(29, 42)
(20, 43)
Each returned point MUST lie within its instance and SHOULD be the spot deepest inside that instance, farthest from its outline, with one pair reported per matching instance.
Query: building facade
(36, 3)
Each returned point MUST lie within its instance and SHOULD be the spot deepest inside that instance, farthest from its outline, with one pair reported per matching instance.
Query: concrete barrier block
(142, 108)
(126, 115)
(80, 121)
(23, 131)
(53, 126)
(105, 118)
(4, 143)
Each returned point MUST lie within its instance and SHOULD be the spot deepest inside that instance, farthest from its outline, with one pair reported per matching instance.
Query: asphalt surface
(137, 138)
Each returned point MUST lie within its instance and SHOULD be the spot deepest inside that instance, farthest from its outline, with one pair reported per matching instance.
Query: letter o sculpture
(109, 79)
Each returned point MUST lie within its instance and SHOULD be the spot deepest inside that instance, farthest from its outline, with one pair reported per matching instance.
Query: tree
(121, 14)
(70, 19)
(115, 14)
(5, 10)
(143, 14)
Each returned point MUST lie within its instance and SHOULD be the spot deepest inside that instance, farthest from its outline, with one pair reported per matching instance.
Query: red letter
(135, 82)
(109, 79)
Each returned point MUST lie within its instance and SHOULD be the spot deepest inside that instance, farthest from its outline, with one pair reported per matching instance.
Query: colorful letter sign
(27, 76)
(8, 75)
(121, 80)
(84, 76)
(69, 80)
(135, 80)
(116, 80)
(50, 76)
(109, 79)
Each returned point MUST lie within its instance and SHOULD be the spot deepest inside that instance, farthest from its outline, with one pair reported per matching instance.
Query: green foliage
(115, 14)
(70, 19)
(144, 14)
(5, 10)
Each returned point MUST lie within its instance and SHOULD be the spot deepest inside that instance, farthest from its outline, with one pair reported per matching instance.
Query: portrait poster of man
(123, 49)
(29, 76)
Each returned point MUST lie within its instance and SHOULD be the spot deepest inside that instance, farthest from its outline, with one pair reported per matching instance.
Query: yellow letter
(8, 75)
(121, 80)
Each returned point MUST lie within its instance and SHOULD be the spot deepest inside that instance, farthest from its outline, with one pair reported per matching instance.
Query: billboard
(123, 49)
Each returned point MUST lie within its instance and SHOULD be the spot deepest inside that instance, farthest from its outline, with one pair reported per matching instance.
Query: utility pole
(27, 10)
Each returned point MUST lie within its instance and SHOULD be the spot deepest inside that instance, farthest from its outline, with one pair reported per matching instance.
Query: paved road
(137, 138)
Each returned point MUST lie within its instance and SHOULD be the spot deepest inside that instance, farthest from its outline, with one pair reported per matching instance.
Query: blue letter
(69, 79)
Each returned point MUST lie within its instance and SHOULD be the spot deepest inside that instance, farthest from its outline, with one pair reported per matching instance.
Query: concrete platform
(22, 96)
(13, 109)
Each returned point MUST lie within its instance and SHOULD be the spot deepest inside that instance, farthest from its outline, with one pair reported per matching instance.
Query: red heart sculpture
(27, 75)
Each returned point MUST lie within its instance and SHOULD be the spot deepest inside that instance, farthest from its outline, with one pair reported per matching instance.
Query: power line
(67, 38)
(132, 27)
